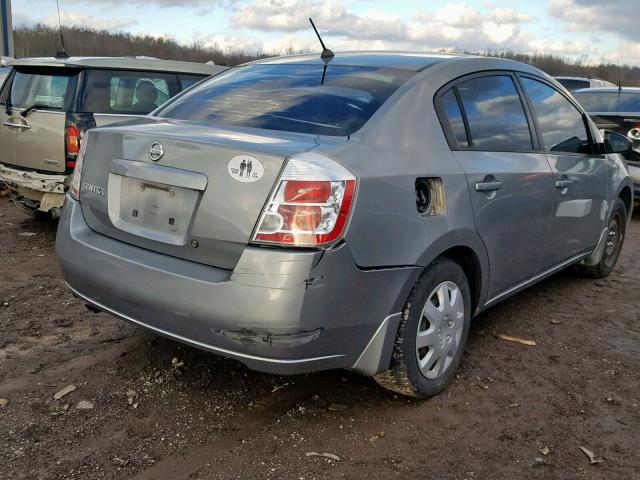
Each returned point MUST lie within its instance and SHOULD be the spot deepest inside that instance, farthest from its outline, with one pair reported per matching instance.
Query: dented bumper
(45, 191)
(280, 311)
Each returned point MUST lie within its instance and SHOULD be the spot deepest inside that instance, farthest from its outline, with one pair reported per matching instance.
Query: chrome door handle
(563, 183)
(488, 186)
(17, 125)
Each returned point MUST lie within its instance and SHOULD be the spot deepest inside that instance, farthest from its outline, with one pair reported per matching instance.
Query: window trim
(444, 121)
(79, 101)
(5, 91)
(592, 144)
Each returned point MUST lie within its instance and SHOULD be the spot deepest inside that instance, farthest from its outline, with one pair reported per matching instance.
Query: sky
(594, 30)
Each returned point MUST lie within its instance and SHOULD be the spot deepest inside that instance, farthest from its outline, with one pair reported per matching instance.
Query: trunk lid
(197, 201)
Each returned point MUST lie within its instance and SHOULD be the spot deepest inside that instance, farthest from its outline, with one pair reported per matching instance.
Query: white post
(6, 29)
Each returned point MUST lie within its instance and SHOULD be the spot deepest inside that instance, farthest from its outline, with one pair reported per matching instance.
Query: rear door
(39, 131)
(510, 183)
(580, 175)
(7, 133)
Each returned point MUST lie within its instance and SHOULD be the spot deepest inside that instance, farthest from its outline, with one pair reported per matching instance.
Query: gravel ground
(156, 409)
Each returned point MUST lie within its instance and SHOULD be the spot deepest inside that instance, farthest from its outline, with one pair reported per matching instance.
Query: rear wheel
(613, 243)
(432, 333)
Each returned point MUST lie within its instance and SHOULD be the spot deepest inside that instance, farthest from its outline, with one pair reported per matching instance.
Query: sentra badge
(87, 187)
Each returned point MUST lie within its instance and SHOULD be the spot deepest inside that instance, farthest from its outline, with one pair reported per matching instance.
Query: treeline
(582, 67)
(42, 40)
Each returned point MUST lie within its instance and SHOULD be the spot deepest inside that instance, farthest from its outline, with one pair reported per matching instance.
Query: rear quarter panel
(403, 141)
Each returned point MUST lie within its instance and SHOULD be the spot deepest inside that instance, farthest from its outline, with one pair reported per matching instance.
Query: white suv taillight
(74, 188)
(310, 205)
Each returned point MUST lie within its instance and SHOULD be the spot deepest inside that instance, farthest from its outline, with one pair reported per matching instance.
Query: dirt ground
(162, 410)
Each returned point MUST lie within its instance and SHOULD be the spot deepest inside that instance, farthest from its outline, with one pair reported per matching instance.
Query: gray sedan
(304, 213)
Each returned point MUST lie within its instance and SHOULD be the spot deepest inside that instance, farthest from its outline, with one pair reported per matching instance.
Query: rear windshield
(608, 101)
(292, 97)
(46, 88)
(130, 92)
(571, 84)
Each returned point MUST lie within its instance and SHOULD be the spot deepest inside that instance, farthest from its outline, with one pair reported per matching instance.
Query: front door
(580, 176)
(509, 182)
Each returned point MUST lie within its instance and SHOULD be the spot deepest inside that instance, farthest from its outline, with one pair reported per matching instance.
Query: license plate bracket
(152, 210)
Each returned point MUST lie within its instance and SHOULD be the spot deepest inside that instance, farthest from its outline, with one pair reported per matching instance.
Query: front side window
(561, 124)
(495, 115)
(44, 88)
(127, 92)
(312, 98)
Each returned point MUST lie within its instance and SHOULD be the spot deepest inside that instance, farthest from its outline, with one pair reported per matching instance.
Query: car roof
(564, 77)
(413, 61)
(121, 63)
(608, 90)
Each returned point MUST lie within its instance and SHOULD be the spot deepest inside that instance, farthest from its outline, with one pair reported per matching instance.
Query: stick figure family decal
(245, 168)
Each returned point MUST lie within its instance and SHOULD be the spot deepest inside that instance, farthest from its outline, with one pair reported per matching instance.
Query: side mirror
(617, 143)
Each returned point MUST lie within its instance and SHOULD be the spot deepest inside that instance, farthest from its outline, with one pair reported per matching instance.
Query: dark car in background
(575, 83)
(616, 110)
(47, 105)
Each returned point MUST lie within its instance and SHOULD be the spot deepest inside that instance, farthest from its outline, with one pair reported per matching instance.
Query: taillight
(310, 205)
(74, 187)
(72, 144)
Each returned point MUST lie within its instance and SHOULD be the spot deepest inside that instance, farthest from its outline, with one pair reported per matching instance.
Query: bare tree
(41, 40)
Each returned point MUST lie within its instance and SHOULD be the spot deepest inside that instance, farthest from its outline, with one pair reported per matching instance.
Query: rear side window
(560, 123)
(601, 102)
(313, 98)
(51, 88)
(187, 81)
(571, 84)
(124, 92)
(451, 109)
(495, 115)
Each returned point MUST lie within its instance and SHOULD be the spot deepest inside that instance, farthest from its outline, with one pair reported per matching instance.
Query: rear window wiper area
(38, 106)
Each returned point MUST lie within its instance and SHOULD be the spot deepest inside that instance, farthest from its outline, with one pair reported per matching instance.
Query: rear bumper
(44, 191)
(279, 311)
(38, 182)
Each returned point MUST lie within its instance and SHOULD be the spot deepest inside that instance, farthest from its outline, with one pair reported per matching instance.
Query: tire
(436, 324)
(617, 231)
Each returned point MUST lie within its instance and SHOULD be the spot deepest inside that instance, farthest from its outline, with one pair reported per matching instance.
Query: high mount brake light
(310, 205)
(74, 187)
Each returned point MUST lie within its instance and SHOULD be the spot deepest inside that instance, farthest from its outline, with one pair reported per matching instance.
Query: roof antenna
(326, 54)
(619, 79)
(61, 53)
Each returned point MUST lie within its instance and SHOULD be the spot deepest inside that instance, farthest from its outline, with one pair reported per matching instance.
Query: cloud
(71, 19)
(619, 17)
(453, 25)
(205, 5)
